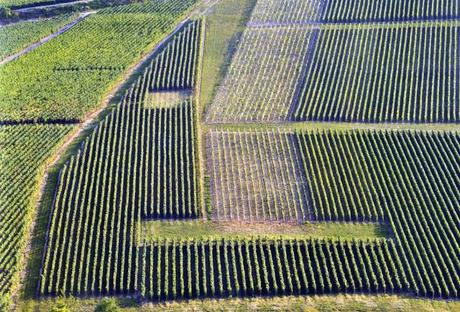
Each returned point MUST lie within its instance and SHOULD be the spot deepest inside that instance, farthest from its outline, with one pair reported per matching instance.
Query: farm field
(18, 36)
(24, 150)
(91, 56)
(254, 154)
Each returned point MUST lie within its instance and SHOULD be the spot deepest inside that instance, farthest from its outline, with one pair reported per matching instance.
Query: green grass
(289, 303)
(224, 26)
(151, 230)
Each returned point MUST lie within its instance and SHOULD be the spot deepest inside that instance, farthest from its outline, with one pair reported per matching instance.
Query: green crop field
(65, 78)
(240, 155)
(18, 36)
(23, 151)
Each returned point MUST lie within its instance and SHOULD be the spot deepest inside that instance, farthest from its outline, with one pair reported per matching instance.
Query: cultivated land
(267, 155)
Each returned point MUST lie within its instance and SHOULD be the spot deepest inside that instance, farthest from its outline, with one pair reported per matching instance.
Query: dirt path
(47, 38)
(49, 6)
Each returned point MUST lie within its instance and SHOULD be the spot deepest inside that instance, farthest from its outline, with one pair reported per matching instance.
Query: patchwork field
(258, 154)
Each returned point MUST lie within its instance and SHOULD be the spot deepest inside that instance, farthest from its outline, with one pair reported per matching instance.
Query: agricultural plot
(23, 149)
(332, 61)
(10, 3)
(256, 176)
(384, 73)
(138, 164)
(277, 13)
(389, 10)
(17, 36)
(406, 179)
(283, 12)
(272, 186)
(65, 78)
(222, 268)
(175, 67)
(263, 76)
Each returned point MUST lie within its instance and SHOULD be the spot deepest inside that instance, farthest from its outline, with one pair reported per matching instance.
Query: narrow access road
(47, 38)
(47, 6)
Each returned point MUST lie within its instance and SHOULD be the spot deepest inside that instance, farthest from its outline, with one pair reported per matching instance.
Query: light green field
(152, 230)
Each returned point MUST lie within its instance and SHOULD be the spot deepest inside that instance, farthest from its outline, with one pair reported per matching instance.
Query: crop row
(23, 149)
(264, 73)
(255, 177)
(407, 179)
(112, 38)
(222, 268)
(139, 163)
(276, 12)
(407, 73)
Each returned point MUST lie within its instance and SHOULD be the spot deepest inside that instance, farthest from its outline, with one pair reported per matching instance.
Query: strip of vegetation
(182, 230)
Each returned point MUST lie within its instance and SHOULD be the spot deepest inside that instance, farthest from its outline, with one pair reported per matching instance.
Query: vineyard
(256, 148)
(18, 36)
(311, 60)
(383, 73)
(140, 163)
(80, 65)
(276, 12)
(23, 149)
(256, 177)
(222, 268)
(266, 67)
(407, 179)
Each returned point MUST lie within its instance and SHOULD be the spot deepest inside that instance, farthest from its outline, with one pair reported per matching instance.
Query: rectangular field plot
(256, 176)
(247, 267)
(150, 231)
(388, 10)
(263, 76)
(384, 73)
(279, 12)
